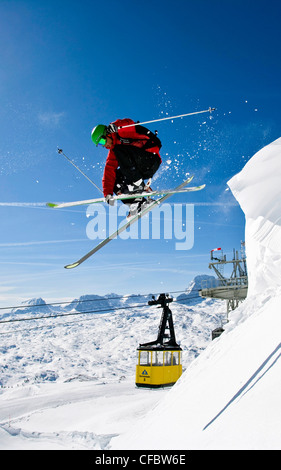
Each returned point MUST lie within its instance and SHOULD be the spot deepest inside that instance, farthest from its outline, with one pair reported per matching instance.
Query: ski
(128, 196)
(131, 221)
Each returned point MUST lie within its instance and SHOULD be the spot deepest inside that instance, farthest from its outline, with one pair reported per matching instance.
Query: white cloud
(51, 119)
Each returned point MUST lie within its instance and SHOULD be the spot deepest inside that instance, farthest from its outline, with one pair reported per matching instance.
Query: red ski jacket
(126, 136)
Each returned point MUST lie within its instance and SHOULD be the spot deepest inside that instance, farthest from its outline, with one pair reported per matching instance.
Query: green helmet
(98, 133)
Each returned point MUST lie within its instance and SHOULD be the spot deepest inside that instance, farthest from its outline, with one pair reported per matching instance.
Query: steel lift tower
(232, 288)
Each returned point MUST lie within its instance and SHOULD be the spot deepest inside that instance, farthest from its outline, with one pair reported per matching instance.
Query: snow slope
(229, 397)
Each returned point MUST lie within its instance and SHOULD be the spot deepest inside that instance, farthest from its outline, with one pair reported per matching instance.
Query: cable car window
(144, 358)
(176, 355)
(157, 358)
(168, 357)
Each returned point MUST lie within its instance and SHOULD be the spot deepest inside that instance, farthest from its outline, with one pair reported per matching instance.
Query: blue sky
(69, 65)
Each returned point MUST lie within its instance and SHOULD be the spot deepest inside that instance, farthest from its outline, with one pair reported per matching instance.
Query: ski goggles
(102, 141)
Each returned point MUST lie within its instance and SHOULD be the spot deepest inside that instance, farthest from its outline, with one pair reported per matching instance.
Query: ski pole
(172, 117)
(60, 151)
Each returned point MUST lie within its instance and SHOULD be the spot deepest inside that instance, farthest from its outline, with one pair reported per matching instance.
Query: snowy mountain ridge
(91, 302)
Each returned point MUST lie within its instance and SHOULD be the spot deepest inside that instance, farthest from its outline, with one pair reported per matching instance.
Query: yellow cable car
(159, 362)
(158, 367)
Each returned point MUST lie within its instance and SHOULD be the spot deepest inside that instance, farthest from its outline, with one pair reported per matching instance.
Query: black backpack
(153, 140)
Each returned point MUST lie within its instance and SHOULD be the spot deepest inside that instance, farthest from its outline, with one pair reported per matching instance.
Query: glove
(109, 199)
(111, 129)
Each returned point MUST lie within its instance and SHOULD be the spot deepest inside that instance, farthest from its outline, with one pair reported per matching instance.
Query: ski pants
(134, 164)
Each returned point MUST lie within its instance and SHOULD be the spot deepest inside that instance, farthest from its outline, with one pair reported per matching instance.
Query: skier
(133, 157)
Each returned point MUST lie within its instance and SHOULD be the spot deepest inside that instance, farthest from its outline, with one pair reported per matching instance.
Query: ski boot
(138, 204)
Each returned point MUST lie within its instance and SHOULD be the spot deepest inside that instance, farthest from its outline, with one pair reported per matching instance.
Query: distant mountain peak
(191, 294)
